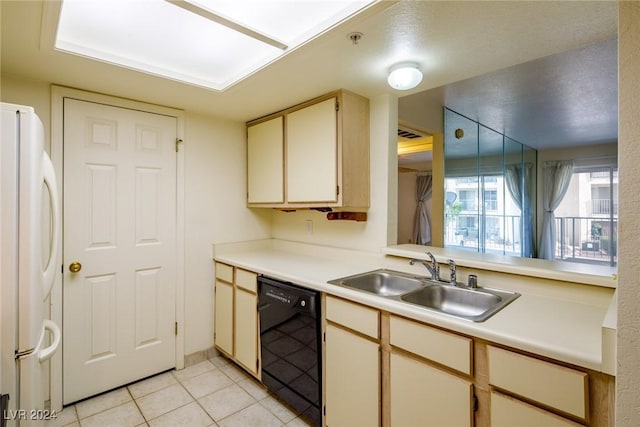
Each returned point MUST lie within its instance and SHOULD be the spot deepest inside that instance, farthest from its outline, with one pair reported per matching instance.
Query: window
(491, 224)
(587, 217)
(490, 200)
(468, 200)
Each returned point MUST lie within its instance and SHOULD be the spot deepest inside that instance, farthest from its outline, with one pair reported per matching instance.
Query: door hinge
(178, 142)
(337, 190)
(62, 269)
(324, 337)
(176, 328)
(337, 105)
(257, 365)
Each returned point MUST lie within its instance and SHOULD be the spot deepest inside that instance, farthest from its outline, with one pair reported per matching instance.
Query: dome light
(404, 76)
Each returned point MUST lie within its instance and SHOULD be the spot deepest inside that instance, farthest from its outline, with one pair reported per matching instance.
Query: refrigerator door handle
(49, 273)
(46, 353)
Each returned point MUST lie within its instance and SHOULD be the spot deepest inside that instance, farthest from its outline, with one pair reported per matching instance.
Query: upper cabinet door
(312, 153)
(265, 162)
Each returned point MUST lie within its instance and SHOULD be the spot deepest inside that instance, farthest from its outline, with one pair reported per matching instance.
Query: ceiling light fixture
(404, 76)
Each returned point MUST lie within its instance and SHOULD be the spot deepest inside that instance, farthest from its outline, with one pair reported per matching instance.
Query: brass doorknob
(75, 266)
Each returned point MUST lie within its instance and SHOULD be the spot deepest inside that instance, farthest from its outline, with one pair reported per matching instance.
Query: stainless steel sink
(382, 282)
(473, 304)
(476, 304)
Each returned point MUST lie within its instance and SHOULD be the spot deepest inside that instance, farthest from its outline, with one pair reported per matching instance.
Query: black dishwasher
(290, 344)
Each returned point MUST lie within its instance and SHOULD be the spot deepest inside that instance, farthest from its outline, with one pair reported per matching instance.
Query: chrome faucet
(433, 267)
(452, 272)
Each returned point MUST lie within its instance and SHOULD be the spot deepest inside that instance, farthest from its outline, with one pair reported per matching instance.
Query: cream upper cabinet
(312, 137)
(265, 161)
(324, 152)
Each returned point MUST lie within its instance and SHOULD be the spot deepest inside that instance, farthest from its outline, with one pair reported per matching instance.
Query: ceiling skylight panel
(160, 38)
(291, 21)
(208, 43)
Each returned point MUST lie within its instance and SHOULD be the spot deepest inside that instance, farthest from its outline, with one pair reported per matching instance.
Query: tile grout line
(135, 402)
(233, 383)
(193, 397)
(225, 364)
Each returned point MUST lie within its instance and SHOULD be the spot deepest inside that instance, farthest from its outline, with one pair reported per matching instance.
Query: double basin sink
(476, 304)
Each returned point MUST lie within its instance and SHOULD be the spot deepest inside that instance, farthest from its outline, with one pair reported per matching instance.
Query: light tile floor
(211, 393)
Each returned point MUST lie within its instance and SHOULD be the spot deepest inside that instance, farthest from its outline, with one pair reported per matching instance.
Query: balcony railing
(587, 239)
(603, 207)
(466, 231)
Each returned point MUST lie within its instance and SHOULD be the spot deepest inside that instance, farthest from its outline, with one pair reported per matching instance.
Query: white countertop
(554, 326)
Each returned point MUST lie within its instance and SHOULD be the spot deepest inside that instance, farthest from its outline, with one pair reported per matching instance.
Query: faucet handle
(472, 281)
(452, 271)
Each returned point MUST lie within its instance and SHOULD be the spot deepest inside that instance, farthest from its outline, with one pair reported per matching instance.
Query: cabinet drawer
(357, 317)
(508, 412)
(224, 272)
(247, 280)
(434, 344)
(561, 388)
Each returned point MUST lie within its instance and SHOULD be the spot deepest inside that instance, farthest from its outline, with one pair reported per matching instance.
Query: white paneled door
(119, 279)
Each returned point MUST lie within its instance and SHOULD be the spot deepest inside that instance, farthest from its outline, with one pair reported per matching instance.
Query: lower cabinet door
(422, 395)
(508, 412)
(223, 325)
(352, 394)
(246, 331)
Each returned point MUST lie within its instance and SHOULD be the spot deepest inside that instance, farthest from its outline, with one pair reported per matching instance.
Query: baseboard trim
(200, 356)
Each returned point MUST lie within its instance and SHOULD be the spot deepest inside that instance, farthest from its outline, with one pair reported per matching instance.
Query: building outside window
(490, 200)
(480, 215)
(587, 217)
(468, 199)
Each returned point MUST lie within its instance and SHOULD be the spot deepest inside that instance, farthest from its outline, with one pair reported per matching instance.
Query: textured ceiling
(452, 41)
(563, 100)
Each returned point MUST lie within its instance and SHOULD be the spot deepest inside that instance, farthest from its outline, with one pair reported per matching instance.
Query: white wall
(215, 211)
(424, 110)
(380, 228)
(628, 352)
(34, 94)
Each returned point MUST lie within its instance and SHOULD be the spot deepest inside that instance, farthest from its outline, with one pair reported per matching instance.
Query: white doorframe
(58, 93)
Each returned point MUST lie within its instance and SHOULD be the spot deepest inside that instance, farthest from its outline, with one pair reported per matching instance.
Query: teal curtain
(518, 180)
(556, 177)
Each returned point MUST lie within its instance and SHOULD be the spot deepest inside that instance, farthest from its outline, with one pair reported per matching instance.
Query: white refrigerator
(29, 246)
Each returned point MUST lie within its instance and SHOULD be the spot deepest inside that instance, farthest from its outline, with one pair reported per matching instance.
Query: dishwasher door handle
(262, 307)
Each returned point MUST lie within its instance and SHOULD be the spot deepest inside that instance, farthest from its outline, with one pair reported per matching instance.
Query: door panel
(246, 329)
(120, 224)
(223, 323)
(312, 153)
